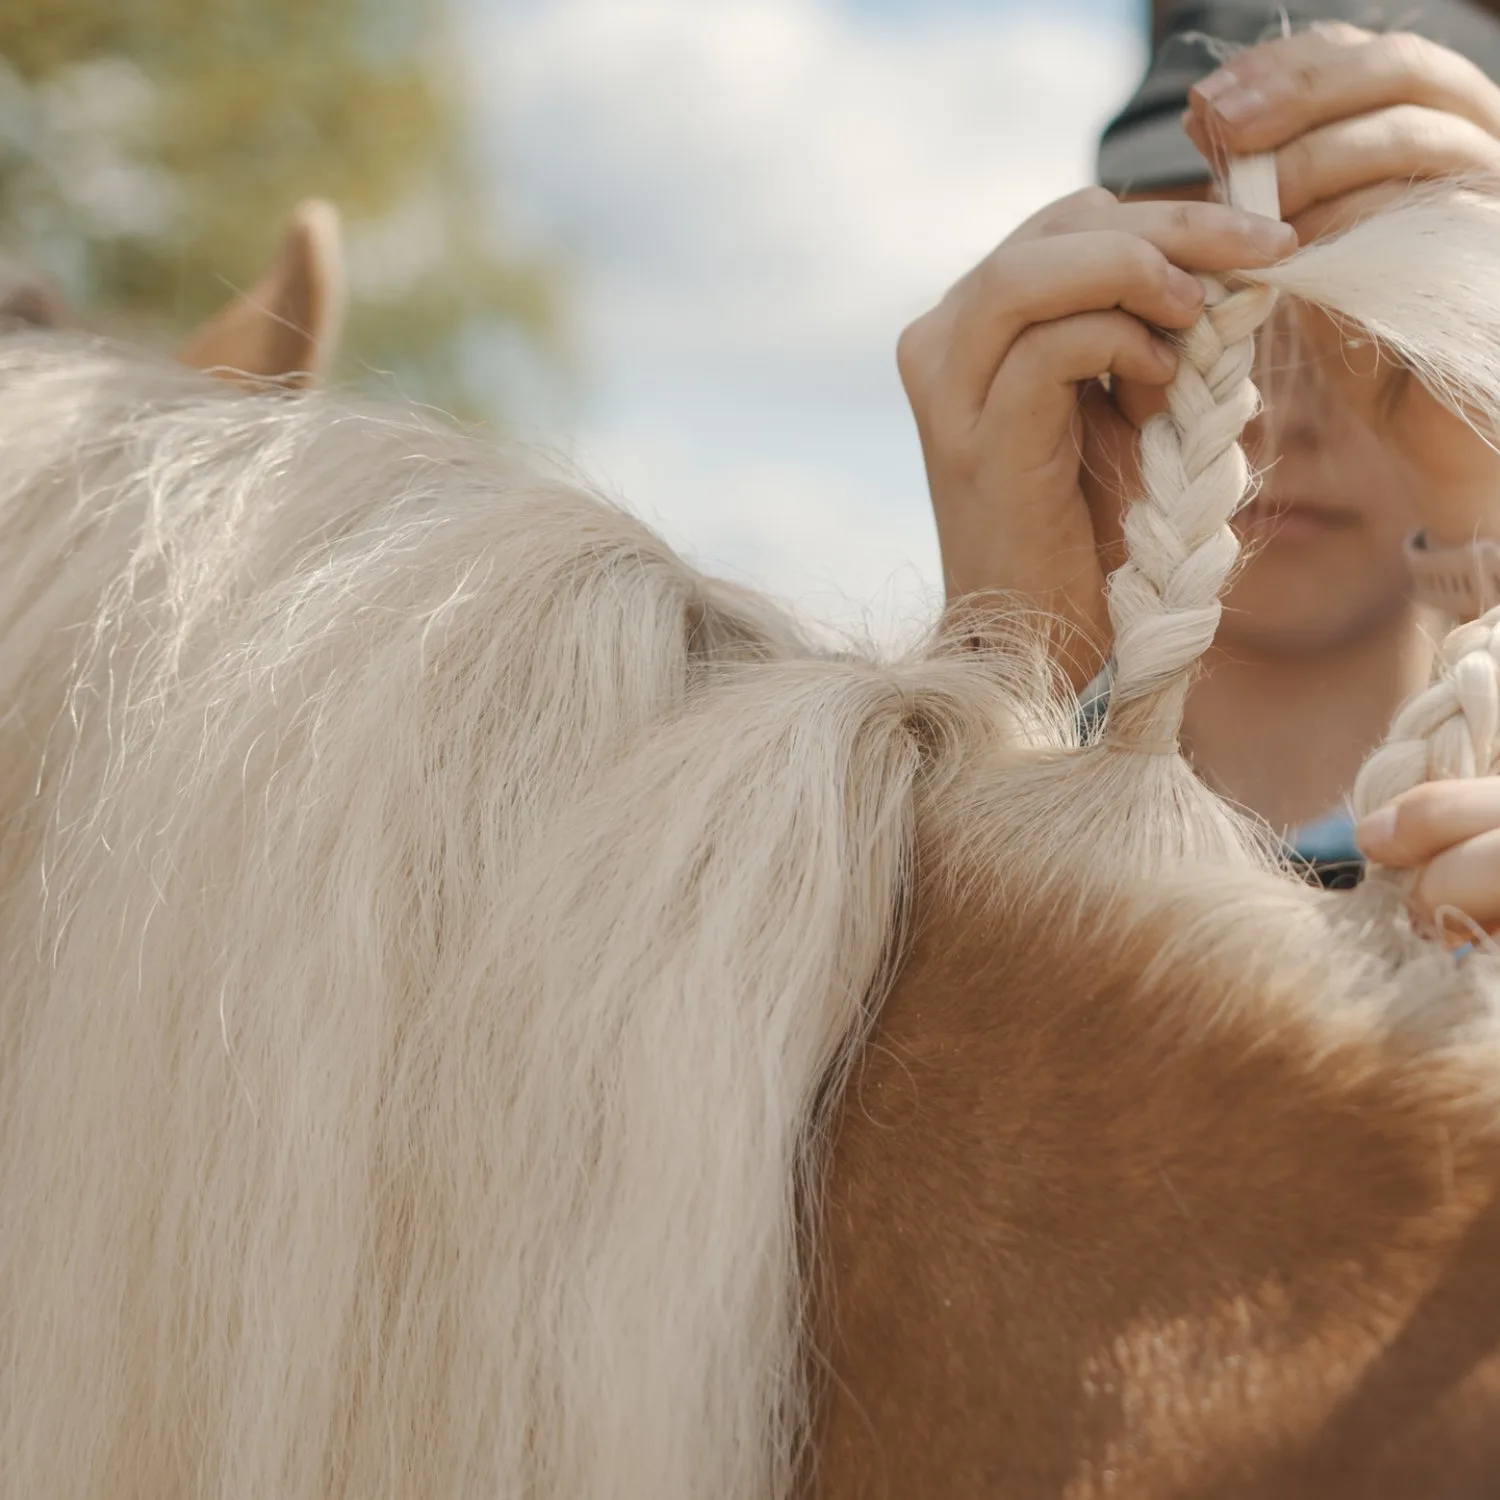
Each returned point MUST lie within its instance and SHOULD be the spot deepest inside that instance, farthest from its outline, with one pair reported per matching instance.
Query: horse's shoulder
(1107, 1212)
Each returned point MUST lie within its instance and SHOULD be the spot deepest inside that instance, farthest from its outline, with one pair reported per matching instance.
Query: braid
(1164, 600)
(1450, 730)
(1417, 278)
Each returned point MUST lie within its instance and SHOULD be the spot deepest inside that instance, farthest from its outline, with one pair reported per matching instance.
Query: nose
(1298, 411)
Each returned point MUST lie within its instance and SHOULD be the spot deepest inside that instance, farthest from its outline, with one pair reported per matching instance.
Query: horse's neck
(1177, 1226)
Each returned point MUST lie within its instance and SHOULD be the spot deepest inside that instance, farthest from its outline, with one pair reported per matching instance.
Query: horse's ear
(286, 327)
(28, 300)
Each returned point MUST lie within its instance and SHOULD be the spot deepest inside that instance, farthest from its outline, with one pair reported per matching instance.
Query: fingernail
(1376, 831)
(1184, 291)
(1215, 84)
(1239, 105)
(1270, 236)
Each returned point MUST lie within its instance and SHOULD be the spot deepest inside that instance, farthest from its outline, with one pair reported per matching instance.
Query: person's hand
(1354, 118)
(1450, 831)
(1027, 455)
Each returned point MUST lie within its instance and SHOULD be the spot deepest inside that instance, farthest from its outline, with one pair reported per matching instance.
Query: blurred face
(1323, 561)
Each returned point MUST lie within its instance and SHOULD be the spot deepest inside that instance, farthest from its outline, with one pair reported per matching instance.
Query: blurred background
(675, 240)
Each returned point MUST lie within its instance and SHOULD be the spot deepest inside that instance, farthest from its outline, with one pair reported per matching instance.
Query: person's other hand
(1028, 457)
(1354, 118)
(1450, 832)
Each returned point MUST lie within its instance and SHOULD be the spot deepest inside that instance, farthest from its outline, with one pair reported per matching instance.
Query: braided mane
(1164, 601)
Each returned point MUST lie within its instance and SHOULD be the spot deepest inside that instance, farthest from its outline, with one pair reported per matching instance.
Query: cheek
(1111, 464)
(1322, 345)
(1378, 493)
(1319, 377)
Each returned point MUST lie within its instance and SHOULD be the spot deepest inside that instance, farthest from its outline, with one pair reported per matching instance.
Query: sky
(751, 199)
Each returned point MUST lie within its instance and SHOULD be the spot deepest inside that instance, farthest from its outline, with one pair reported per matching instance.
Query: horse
(492, 1009)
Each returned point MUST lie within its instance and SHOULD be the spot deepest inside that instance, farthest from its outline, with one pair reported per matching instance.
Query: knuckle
(1419, 814)
(1404, 51)
(1147, 266)
(1309, 77)
(1092, 196)
(1056, 215)
(1083, 206)
(1343, 33)
(913, 361)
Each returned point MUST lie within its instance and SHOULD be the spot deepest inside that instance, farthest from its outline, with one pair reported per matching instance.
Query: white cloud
(756, 197)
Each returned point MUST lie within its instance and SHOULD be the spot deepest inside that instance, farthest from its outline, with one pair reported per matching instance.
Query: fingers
(1197, 236)
(1465, 879)
(1420, 824)
(1399, 145)
(1046, 279)
(1042, 281)
(1034, 395)
(1344, 109)
(1452, 828)
(994, 372)
(1085, 255)
(1062, 353)
(1272, 93)
(1023, 524)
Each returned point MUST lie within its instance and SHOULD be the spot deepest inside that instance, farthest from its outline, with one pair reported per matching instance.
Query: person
(1375, 505)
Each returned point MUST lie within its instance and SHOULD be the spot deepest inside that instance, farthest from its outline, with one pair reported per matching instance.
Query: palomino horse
(492, 1011)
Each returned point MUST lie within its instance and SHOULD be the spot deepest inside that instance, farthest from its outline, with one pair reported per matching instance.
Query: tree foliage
(150, 151)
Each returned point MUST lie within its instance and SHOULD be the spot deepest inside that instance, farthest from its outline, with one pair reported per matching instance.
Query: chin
(1281, 628)
(1300, 605)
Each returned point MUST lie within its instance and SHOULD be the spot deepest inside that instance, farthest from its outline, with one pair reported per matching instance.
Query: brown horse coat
(1098, 1225)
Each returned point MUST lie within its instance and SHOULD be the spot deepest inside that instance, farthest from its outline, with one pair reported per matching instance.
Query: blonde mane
(440, 907)
(435, 918)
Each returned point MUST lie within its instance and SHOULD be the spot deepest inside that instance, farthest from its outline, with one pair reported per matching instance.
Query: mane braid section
(1164, 601)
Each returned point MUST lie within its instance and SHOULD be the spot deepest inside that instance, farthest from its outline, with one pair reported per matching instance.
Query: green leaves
(150, 151)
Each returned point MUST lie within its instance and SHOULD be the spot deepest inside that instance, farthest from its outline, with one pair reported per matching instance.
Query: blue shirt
(1326, 849)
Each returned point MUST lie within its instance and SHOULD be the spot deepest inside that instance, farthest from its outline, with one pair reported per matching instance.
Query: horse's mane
(438, 905)
(434, 913)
